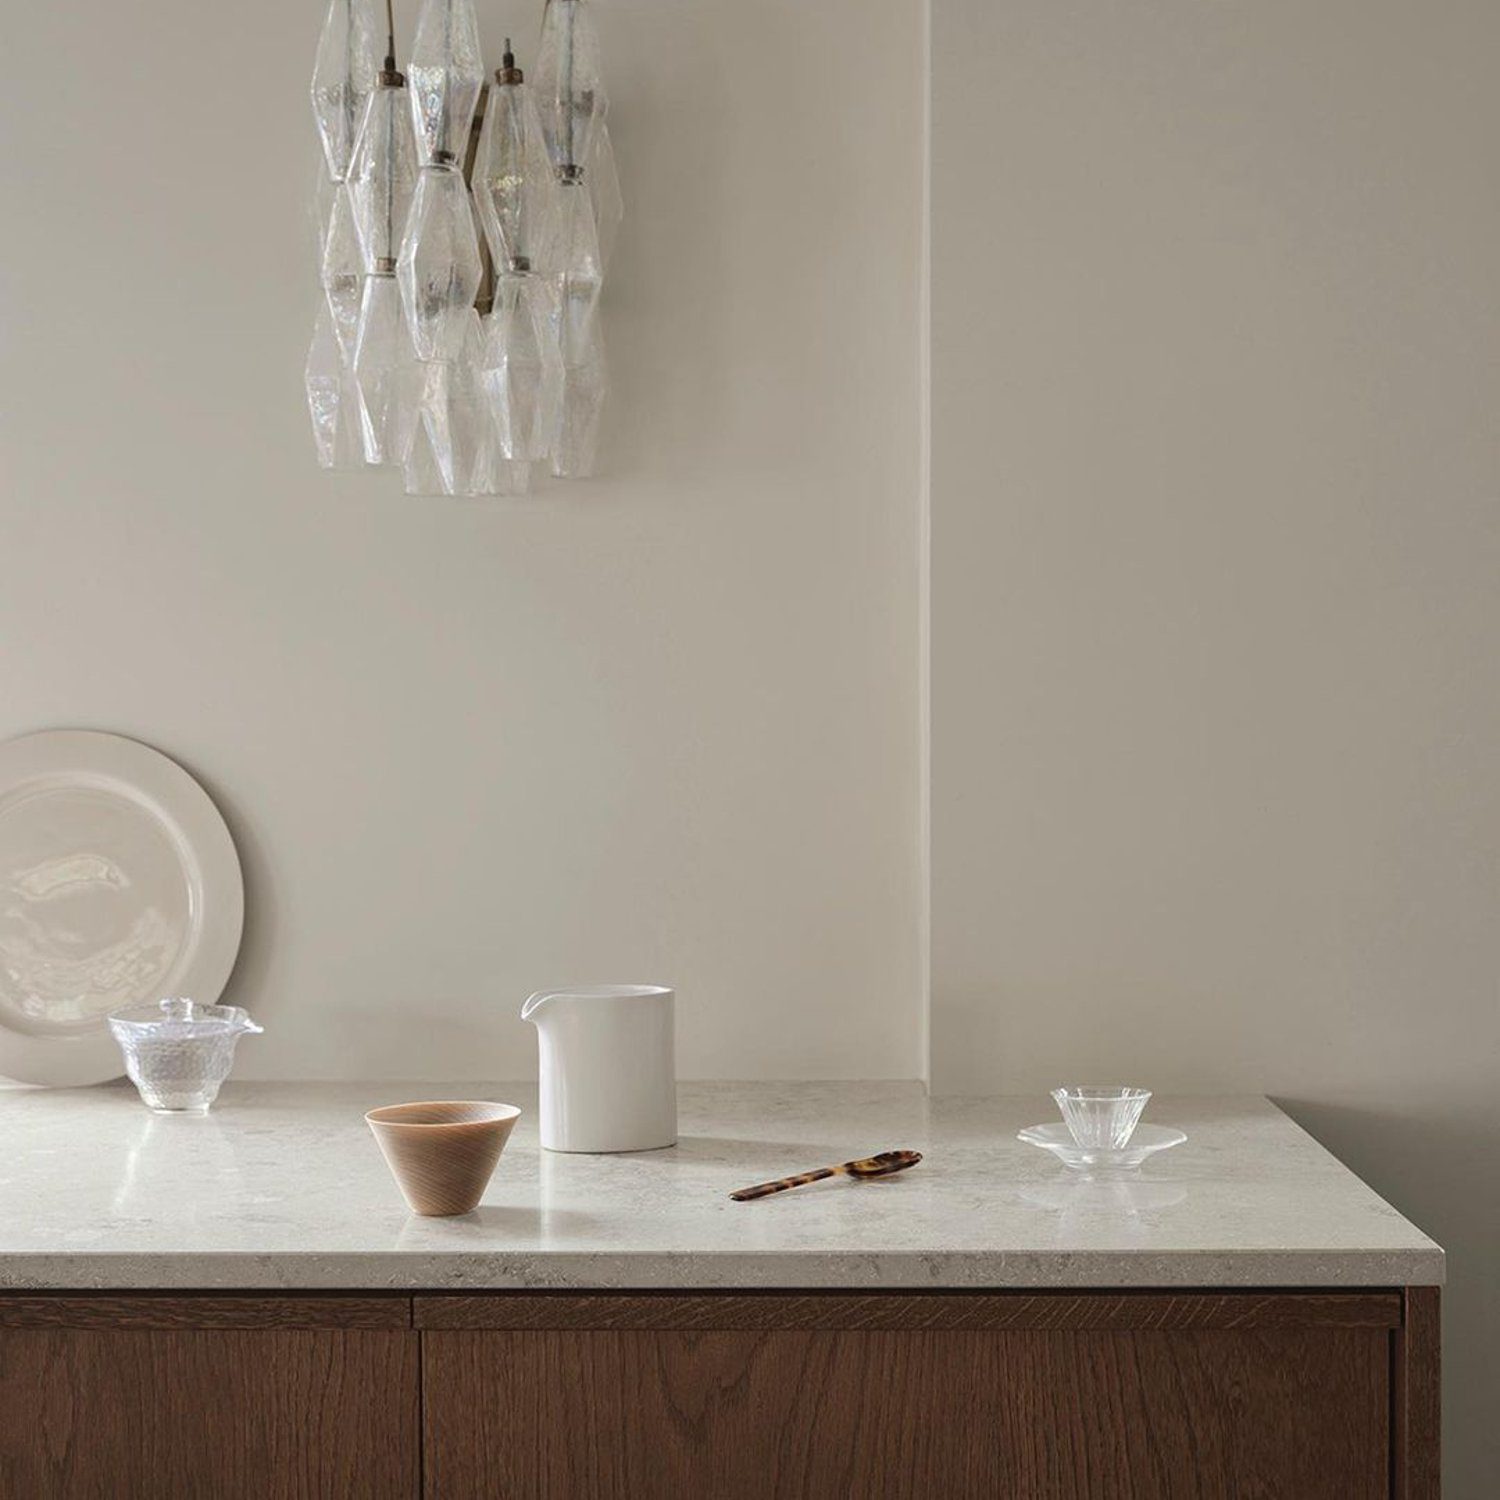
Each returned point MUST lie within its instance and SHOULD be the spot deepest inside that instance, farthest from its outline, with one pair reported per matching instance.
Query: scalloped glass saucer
(1145, 1141)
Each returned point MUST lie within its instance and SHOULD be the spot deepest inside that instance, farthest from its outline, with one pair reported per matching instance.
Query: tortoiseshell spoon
(867, 1166)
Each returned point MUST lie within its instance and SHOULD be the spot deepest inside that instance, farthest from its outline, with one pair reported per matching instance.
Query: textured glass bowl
(178, 1052)
(1101, 1115)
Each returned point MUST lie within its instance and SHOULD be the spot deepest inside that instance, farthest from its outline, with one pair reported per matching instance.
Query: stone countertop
(282, 1187)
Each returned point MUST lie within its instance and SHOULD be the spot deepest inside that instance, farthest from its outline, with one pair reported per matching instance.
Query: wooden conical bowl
(442, 1152)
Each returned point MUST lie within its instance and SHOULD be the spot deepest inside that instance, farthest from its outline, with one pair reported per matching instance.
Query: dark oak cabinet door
(147, 1413)
(714, 1396)
(572, 1414)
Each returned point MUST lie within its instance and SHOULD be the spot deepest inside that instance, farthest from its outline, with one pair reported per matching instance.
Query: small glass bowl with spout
(178, 1052)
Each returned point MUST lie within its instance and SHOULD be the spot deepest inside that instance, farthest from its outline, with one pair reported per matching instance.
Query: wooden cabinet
(718, 1396)
(217, 1398)
(1150, 1395)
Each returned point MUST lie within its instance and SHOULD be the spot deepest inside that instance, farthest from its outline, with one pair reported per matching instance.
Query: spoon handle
(865, 1166)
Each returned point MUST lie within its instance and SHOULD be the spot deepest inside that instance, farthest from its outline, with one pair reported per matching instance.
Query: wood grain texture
(111, 1310)
(835, 1310)
(224, 1415)
(1416, 1405)
(442, 1152)
(814, 1415)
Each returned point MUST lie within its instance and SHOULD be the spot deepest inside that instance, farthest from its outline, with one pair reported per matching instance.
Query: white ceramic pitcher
(608, 1067)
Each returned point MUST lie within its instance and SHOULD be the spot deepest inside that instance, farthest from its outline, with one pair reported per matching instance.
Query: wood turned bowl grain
(442, 1152)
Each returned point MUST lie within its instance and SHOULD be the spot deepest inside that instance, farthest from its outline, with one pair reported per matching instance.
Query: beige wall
(657, 727)
(1216, 547)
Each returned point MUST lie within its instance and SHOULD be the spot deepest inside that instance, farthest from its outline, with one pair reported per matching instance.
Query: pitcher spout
(601, 997)
(535, 1002)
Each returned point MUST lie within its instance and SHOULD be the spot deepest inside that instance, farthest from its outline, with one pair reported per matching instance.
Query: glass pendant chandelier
(465, 232)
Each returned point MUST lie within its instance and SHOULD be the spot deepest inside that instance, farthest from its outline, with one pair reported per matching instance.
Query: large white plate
(118, 883)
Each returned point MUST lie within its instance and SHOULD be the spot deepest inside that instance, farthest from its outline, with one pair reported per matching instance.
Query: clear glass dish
(1148, 1140)
(1101, 1115)
(178, 1052)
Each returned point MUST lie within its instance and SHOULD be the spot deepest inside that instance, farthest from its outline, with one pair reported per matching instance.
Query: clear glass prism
(386, 374)
(569, 83)
(422, 473)
(439, 268)
(573, 244)
(343, 270)
(521, 366)
(333, 400)
(453, 445)
(453, 451)
(513, 183)
(455, 448)
(602, 179)
(351, 48)
(383, 177)
(445, 75)
(585, 384)
(320, 209)
(578, 277)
